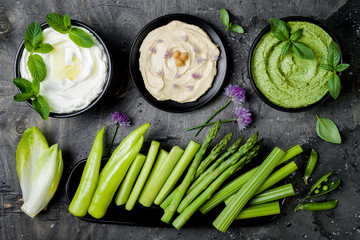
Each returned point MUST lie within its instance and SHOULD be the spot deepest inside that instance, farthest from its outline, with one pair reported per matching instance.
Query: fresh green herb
(63, 25)
(310, 166)
(37, 67)
(281, 31)
(320, 206)
(41, 106)
(332, 65)
(327, 130)
(33, 36)
(226, 21)
(44, 48)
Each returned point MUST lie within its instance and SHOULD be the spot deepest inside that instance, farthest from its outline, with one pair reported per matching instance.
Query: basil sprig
(63, 25)
(327, 130)
(225, 19)
(332, 65)
(281, 31)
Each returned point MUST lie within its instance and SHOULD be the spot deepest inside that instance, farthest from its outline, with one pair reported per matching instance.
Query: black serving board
(150, 216)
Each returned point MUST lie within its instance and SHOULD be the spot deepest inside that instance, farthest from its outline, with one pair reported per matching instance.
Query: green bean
(310, 166)
(319, 206)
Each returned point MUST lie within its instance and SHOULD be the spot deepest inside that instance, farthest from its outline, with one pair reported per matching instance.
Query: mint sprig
(63, 25)
(332, 65)
(30, 90)
(281, 31)
(225, 19)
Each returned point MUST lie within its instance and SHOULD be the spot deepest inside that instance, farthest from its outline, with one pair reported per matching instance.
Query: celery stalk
(261, 210)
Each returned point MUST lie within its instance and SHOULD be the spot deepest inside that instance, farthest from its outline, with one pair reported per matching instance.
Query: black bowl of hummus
(289, 83)
(76, 77)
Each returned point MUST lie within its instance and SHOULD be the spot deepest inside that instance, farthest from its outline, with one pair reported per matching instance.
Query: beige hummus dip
(163, 78)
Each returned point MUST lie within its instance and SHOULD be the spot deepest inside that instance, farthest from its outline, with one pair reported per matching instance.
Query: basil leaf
(334, 54)
(67, 21)
(334, 85)
(279, 29)
(24, 85)
(81, 38)
(342, 67)
(327, 130)
(296, 35)
(44, 48)
(286, 48)
(35, 86)
(237, 29)
(37, 67)
(327, 67)
(224, 16)
(41, 106)
(302, 50)
(56, 21)
(23, 97)
(33, 36)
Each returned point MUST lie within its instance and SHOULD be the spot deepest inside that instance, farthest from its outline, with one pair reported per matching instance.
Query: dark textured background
(118, 22)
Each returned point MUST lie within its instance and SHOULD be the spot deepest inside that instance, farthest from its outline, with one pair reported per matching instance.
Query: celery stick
(272, 195)
(228, 215)
(145, 171)
(129, 180)
(261, 210)
(153, 187)
(179, 169)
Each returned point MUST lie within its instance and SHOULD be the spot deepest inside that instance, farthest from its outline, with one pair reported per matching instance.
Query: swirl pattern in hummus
(163, 78)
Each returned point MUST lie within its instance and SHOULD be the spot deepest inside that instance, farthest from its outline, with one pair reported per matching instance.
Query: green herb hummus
(291, 81)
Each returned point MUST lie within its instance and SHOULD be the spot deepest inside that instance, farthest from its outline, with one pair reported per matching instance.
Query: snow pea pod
(320, 206)
(310, 166)
(80, 203)
(316, 190)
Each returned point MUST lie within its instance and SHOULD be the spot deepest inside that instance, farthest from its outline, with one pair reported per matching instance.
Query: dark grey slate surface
(118, 22)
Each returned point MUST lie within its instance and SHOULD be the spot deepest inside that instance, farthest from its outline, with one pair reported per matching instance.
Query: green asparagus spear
(240, 154)
(169, 212)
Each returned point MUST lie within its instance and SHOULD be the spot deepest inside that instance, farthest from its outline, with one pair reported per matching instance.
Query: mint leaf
(342, 67)
(41, 106)
(279, 29)
(334, 85)
(23, 85)
(37, 67)
(23, 97)
(334, 54)
(327, 130)
(67, 21)
(224, 17)
(33, 36)
(296, 35)
(35, 86)
(286, 48)
(237, 29)
(56, 21)
(302, 50)
(44, 48)
(81, 38)
(327, 67)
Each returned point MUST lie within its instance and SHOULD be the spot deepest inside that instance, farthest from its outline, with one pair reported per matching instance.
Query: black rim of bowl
(253, 46)
(107, 82)
(192, 105)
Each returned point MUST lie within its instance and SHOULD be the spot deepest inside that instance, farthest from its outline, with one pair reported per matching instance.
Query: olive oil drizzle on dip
(290, 81)
(167, 73)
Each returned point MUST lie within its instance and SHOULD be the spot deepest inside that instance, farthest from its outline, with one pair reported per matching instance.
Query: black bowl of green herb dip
(290, 83)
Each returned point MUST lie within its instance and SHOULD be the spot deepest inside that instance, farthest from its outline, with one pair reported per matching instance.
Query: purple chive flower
(242, 117)
(196, 50)
(120, 119)
(235, 93)
(168, 53)
(152, 49)
(214, 58)
(184, 37)
(159, 41)
(196, 75)
(177, 75)
(160, 73)
(190, 88)
(200, 60)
